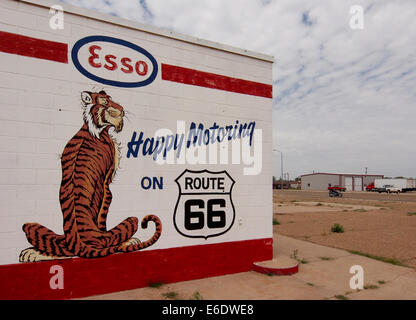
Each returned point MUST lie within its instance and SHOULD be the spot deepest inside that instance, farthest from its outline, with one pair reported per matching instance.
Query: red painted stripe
(277, 271)
(33, 47)
(215, 81)
(125, 271)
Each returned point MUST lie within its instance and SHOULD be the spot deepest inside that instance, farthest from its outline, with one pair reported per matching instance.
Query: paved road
(402, 197)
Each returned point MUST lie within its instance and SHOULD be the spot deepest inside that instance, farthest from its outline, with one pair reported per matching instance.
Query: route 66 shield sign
(204, 207)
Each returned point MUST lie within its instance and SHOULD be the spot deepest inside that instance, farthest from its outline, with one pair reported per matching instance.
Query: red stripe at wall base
(125, 271)
(215, 81)
(32, 47)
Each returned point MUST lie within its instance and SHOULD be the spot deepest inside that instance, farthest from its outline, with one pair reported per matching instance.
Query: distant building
(351, 182)
(277, 184)
(295, 185)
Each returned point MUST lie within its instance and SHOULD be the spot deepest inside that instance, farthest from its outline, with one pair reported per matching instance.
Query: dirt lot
(377, 224)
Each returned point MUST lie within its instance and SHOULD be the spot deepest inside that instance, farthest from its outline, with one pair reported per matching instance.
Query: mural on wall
(89, 162)
(204, 208)
(135, 67)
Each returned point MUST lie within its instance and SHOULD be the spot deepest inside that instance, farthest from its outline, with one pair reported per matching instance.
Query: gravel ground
(377, 224)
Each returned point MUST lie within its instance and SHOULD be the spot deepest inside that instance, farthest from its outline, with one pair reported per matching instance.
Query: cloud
(136, 10)
(147, 14)
(345, 98)
(306, 20)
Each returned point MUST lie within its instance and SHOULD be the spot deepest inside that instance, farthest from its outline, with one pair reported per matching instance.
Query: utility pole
(366, 170)
(281, 167)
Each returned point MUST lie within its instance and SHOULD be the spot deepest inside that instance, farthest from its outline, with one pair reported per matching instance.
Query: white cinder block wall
(41, 110)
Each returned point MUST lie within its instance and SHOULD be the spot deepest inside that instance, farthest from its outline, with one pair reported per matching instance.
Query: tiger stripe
(88, 166)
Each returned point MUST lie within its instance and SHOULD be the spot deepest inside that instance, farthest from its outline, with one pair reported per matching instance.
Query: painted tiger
(89, 162)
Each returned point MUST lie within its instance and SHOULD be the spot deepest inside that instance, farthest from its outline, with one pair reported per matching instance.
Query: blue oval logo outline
(80, 43)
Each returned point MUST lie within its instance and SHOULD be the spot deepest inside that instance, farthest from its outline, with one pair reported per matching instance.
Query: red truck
(337, 188)
(370, 187)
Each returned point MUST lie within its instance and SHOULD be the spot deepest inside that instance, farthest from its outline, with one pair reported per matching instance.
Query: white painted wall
(358, 184)
(41, 111)
(348, 183)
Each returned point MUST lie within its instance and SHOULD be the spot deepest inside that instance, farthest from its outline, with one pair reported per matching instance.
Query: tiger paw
(129, 243)
(32, 255)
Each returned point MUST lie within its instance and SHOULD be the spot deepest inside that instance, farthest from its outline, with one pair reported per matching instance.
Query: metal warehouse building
(352, 182)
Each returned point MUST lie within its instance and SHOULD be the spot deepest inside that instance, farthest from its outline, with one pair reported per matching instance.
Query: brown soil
(375, 224)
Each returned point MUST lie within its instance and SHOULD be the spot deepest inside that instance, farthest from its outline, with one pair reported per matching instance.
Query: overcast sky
(345, 99)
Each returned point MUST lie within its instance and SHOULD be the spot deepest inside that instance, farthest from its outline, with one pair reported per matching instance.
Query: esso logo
(114, 62)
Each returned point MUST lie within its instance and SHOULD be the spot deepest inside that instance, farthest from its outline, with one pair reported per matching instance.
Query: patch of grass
(310, 284)
(384, 259)
(275, 222)
(360, 210)
(293, 200)
(341, 297)
(382, 207)
(155, 284)
(411, 213)
(294, 256)
(326, 258)
(371, 286)
(337, 228)
(197, 296)
(381, 282)
(170, 295)
(319, 204)
(345, 210)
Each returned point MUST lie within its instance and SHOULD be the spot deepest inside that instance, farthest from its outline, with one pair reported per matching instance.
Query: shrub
(337, 228)
(155, 284)
(370, 286)
(326, 258)
(170, 295)
(197, 296)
